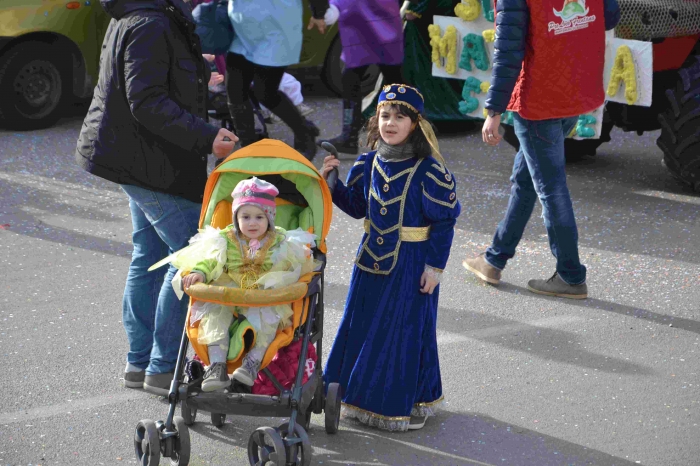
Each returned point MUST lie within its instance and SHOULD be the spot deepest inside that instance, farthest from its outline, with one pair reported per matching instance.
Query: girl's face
(252, 221)
(394, 128)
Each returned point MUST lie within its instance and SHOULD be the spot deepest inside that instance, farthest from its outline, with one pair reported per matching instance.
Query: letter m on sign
(444, 47)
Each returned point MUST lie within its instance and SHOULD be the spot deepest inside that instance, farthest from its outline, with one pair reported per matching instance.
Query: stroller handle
(333, 175)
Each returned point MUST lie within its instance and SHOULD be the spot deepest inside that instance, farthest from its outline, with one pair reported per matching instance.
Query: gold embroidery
(378, 416)
(446, 204)
(249, 272)
(354, 180)
(384, 257)
(379, 230)
(440, 183)
(415, 234)
(430, 403)
(379, 199)
(407, 234)
(439, 167)
(359, 162)
(385, 176)
(400, 222)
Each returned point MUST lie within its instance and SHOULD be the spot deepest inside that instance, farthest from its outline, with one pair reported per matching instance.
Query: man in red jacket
(548, 70)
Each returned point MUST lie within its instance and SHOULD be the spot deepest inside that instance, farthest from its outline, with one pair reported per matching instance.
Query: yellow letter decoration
(468, 10)
(624, 70)
(489, 35)
(445, 46)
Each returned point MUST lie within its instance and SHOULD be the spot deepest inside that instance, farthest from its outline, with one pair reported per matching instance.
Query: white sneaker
(304, 109)
(248, 372)
(417, 422)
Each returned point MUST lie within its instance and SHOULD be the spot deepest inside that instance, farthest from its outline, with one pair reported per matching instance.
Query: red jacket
(561, 45)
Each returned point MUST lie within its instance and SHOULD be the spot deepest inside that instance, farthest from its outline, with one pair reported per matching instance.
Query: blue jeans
(538, 171)
(153, 317)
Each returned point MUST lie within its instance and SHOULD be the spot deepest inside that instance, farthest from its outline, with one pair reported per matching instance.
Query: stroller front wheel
(298, 454)
(182, 446)
(147, 443)
(266, 446)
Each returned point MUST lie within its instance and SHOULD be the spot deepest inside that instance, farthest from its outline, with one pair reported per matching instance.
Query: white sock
(217, 353)
(131, 368)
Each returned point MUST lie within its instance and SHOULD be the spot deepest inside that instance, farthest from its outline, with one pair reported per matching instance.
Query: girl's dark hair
(421, 146)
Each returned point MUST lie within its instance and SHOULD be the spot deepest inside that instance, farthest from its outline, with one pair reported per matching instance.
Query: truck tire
(333, 67)
(35, 82)
(680, 127)
(574, 149)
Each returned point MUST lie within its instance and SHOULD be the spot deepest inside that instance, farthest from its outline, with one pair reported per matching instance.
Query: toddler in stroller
(263, 264)
(250, 253)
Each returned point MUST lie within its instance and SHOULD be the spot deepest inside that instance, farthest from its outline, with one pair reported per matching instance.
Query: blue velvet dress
(385, 354)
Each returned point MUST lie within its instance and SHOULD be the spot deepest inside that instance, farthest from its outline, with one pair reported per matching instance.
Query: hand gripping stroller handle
(333, 175)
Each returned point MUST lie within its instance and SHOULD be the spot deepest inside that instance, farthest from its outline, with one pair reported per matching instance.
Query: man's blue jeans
(153, 317)
(538, 171)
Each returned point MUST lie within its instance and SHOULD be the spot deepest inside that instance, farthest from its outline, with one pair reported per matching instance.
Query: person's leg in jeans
(538, 172)
(544, 151)
(239, 77)
(172, 220)
(520, 205)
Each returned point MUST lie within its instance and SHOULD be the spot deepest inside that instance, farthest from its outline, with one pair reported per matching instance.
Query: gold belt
(409, 234)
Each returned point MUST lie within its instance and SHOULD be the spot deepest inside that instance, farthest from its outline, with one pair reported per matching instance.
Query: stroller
(304, 201)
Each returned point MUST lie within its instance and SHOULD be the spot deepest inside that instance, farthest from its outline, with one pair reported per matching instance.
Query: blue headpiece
(401, 94)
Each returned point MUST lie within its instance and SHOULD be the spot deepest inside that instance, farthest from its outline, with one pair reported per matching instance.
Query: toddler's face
(252, 221)
(394, 128)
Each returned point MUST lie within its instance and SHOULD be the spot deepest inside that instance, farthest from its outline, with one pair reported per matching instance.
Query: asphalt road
(528, 380)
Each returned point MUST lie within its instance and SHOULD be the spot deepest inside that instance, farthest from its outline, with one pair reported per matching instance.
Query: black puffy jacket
(147, 121)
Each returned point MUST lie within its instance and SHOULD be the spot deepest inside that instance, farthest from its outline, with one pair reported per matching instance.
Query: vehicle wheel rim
(38, 88)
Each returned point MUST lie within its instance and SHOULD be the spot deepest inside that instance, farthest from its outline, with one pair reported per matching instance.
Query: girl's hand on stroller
(191, 279)
(329, 163)
(222, 148)
(427, 283)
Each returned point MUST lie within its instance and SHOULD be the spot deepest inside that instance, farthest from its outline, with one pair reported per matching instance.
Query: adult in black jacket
(147, 130)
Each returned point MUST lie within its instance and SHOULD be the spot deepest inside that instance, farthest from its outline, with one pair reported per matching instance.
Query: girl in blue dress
(385, 354)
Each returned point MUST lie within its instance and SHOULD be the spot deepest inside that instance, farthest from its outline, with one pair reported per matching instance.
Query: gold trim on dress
(446, 204)
(375, 415)
(354, 180)
(374, 194)
(359, 162)
(440, 183)
(407, 234)
(387, 178)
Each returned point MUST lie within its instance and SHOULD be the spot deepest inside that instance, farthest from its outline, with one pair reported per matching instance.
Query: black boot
(305, 132)
(347, 142)
(243, 122)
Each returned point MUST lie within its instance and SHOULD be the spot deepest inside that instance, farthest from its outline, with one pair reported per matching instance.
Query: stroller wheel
(188, 414)
(218, 419)
(181, 447)
(266, 446)
(147, 443)
(298, 454)
(332, 407)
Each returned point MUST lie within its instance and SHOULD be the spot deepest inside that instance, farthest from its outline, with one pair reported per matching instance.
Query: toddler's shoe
(482, 269)
(555, 286)
(215, 378)
(417, 422)
(304, 109)
(247, 373)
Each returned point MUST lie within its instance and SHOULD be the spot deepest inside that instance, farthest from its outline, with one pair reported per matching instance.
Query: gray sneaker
(248, 372)
(555, 286)
(158, 384)
(482, 269)
(215, 378)
(134, 379)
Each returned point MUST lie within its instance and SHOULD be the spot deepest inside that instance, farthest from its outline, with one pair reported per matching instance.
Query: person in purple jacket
(371, 32)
